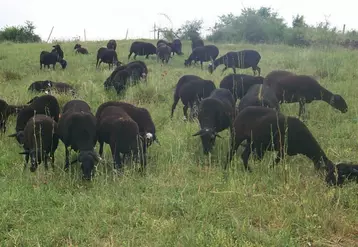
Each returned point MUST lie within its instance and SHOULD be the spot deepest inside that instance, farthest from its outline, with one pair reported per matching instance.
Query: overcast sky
(111, 18)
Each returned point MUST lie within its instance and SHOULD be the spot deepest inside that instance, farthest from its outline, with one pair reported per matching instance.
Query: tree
(21, 34)
(191, 29)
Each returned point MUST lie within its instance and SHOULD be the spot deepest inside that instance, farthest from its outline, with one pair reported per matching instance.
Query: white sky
(111, 18)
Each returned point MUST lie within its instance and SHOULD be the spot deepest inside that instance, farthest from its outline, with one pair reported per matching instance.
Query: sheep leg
(185, 111)
(201, 64)
(101, 149)
(67, 158)
(27, 157)
(147, 56)
(129, 55)
(53, 161)
(176, 100)
(225, 68)
(233, 147)
(116, 157)
(245, 156)
(302, 109)
(46, 161)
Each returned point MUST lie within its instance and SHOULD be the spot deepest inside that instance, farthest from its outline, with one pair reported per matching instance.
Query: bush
(20, 34)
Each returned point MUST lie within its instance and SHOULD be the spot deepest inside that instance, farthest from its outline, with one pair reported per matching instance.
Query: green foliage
(190, 30)
(185, 198)
(20, 34)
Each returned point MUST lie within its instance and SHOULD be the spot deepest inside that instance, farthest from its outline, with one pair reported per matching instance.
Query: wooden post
(49, 36)
(154, 29)
(84, 34)
(126, 34)
(344, 28)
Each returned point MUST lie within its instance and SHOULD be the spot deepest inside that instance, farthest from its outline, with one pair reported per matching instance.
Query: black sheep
(57, 48)
(343, 171)
(182, 80)
(77, 130)
(46, 104)
(192, 92)
(5, 111)
(141, 116)
(112, 44)
(202, 54)
(196, 42)
(241, 59)
(140, 48)
(40, 141)
(216, 113)
(162, 41)
(259, 95)
(80, 49)
(276, 75)
(62, 87)
(108, 56)
(239, 84)
(47, 58)
(163, 52)
(40, 86)
(261, 127)
(176, 46)
(121, 132)
(305, 89)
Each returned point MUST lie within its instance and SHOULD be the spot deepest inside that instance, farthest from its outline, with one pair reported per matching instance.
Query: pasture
(185, 199)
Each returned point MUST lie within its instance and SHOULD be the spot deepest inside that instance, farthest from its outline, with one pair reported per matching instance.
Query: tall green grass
(184, 199)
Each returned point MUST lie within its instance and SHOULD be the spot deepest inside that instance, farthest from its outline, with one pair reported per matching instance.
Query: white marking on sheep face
(149, 135)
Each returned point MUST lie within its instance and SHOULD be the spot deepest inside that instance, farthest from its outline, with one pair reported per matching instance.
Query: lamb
(140, 48)
(40, 86)
(276, 75)
(163, 52)
(243, 59)
(47, 58)
(259, 95)
(202, 54)
(182, 80)
(57, 48)
(80, 49)
(345, 171)
(61, 87)
(108, 56)
(257, 125)
(77, 130)
(141, 116)
(196, 42)
(112, 44)
(239, 84)
(46, 104)
(305, 89)
(121, 132)
(40, 141)
(192, 93)
(5, 111)
(216, 113)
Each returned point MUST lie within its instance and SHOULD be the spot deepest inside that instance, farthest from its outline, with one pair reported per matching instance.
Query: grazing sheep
(121, 132)
(80, 49)
(216, 113)
(141, 116)
(163, 53)
(345, 171)
(276, 75)
(196, 42)
(261, 127)
(5, 111)
(182, 80)
(259, 95)
(140, 48)
(305, 89)
(112, 44)
(239, 84)
(40, 141)
(77, 130)
(47, 58)
(46, 105)
(62, 87)
(108, 56)
(202, 54)
(57, 48)
(192, 93)
(176, 46)
(162, 41)
(242, 59)
(40, 86)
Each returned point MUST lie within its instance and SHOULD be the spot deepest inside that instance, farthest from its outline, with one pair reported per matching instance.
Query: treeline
(20, 34)
(264, 25)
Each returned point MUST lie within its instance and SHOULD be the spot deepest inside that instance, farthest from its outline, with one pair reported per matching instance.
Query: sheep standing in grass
(192, 92)
(239, 84)
(259, 95)
(163, 52)
(305, 89)
(264, 128)
(77, 130)
(40, 141)
(242, 59)
(216, 113)
(140, 48)
(58, 49)
(176, 46)
(51, 58)
(108, 56)
(79, 49)
(112, 44)
(5, 111)
(121, 132)
(202, 54)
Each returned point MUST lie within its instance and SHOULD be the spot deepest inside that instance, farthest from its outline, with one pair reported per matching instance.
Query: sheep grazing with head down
(51, 58)
(40, 86)
(77, 130)
(79, 49)
(241, 59)
(192, 92)
(216, 113)
(239, 84)
(7, 110)
(121, 132)
(140, 48)
(202, 54)
(305, 89)
(266, 129)
(108, 56)
(40, 141)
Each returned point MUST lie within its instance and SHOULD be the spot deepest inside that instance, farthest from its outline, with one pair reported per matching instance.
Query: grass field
(185, 199)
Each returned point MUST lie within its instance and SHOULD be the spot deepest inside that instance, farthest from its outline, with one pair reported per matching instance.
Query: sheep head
(208, 136)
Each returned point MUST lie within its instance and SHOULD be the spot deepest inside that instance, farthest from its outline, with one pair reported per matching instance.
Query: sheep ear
(12, 135)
